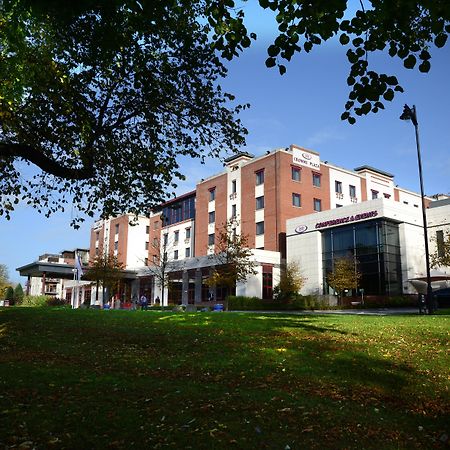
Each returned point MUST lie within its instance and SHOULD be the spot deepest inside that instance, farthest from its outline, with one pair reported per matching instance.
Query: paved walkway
(365, 312)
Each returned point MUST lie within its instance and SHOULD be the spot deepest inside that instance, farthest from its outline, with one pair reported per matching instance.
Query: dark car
(442, 297)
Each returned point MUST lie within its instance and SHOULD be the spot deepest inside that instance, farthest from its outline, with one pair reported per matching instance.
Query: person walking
(144, 302)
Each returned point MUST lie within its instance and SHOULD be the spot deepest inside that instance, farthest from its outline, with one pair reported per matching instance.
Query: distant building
(270, 197)
(51, 274)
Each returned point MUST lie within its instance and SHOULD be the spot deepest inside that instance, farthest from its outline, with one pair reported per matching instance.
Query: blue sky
(301, 107)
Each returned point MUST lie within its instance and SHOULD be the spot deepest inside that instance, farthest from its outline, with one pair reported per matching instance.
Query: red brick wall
(154, 232)
(101, 232)
(201, 210)
(278, 190)
(122, 221)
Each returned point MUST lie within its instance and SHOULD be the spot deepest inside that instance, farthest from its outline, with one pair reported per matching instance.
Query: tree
(404, 29)
(441, 257)
(291, 281)
(18, 294)
(9, 294)
(345, 275)
(4, 282)
(232, 258)
(105, 270)
(161, 264)
(103, 97)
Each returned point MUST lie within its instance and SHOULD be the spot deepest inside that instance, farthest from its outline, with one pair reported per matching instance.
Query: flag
(78, 266)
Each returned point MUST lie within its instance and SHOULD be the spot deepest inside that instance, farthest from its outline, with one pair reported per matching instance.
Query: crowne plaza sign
(347, 219)
(304, 158)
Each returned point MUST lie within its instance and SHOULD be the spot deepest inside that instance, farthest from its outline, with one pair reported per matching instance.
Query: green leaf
(425, 66)
(344, 39)
(282, 69)
(440, 40)
(410, 62)
(389, 95)
(270, 62)
(272, 51)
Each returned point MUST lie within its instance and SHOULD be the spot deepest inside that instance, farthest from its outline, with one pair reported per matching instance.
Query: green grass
(124, 379)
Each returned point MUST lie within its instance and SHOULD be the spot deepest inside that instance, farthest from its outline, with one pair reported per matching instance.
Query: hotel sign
(304, 158)
(347, 219)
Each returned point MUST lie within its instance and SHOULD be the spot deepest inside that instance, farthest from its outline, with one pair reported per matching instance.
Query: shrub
(54, 301)
(18, 294)
(242, 303)
(35, 300)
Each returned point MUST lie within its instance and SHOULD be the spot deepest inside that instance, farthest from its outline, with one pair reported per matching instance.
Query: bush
(42, 300)
(296, 302)
(54, 301)
(242, 303)
(35, 300)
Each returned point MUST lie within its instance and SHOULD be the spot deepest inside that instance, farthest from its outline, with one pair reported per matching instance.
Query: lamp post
(410, 114)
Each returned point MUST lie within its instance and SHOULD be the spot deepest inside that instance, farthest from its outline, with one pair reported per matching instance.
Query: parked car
(442, 297)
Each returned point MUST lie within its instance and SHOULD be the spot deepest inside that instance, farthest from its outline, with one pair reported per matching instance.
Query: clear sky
(301, 107)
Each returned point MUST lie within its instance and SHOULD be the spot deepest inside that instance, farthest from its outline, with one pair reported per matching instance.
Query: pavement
(362, 312)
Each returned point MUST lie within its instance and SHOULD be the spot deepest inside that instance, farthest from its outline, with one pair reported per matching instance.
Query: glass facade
(179, 211)
(375, 248)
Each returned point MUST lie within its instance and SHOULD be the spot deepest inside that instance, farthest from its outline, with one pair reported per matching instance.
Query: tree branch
(45, 163)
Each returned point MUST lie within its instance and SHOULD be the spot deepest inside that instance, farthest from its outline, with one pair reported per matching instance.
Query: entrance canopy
(438, 280)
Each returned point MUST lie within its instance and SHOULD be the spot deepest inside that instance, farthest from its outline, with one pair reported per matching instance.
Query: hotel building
(269, 199)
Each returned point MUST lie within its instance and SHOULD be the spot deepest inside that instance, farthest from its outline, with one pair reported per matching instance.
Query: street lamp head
(409, 114)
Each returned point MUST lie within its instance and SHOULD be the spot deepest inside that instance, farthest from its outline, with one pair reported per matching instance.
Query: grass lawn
(88, 379)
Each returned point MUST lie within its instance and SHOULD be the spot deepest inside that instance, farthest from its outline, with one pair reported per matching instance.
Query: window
(176, 236)
(387, 195)
(260, 202)
(296, 200)
(374, 194)
(155, 259)
(147, 229)
(211, 239)
(267, 288)
(188, 233)
(233, 211)
(187, 252)
(233, 186)
(116, 245)
(212, 217)
(440, 243)
(175, 254)
(146, 246)
(316, 179)
(259, 177)
(117, 228)
(296, 173)
(352, 190)
(338, 206)
(155, 242)
(212, 194)
(97, 235)
(317, 204)
(406, 203)
(96, 251)
(156, 225)
(165, 239)
(338, 187)
(259, 228)
(146, 261)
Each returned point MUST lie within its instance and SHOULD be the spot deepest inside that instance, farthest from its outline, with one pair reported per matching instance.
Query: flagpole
(72, 301)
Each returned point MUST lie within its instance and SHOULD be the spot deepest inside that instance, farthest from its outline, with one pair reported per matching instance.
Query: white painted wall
(136, 239)
(347, 179)
(306, 247)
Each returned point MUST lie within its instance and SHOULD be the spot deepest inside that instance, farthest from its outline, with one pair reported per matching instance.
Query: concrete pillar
(43, 283)
(198, 285)
(185, 288)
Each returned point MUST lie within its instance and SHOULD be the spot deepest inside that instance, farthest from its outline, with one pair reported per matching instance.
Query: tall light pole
(410, 114)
